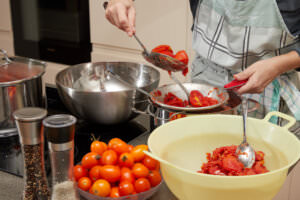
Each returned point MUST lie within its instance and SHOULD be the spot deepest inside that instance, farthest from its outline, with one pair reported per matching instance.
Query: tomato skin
(142, 185)
(126, 188)
(126, 160)
(90, 159)
(109, 157)
(84, 183)
(94, 173)
(114, 192)
(162, 48)
(101, 188)
(154, 177)
(138, 152)
(79, 172)
(127, 175)
(139, 170)
(118, 145)
(182, 56)
(150, 163)
(110, 173)
(130, 147)
(98, 147)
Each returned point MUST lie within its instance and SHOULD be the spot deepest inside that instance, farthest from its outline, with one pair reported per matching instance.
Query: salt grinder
(29, 124)
(60, 130)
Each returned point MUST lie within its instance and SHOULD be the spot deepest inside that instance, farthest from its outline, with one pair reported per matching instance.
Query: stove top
(11, 159)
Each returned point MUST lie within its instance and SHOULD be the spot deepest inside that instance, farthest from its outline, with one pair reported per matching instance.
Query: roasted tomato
(196, 98)
(182, 56)
(163, 48)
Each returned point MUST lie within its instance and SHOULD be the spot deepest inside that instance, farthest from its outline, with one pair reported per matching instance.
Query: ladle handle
(291, 120)
(245, 114)
(141, 44)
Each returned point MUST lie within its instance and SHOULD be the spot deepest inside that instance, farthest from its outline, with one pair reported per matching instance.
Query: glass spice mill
(29, 124)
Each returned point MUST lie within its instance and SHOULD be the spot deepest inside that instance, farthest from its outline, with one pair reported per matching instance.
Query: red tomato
(118, 145)
(150, 163)
(90, 159)
(168, 53)
(84, 183)
(154, 177)
(126, 188)
(79, 172)
(94, 173)
(139, 170)
(162, 48)
(142, 185)
(231, 163)
(101, 188)
(126, 160)
(182, 56)
(110, 173)
(185, 71)
(114, 192)
(127, 175)
(130, 147)
(138, 152)
(109, 157)
(98, 147)
(196, 98)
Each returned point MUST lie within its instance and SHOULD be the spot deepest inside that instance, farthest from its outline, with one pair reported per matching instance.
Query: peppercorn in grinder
(30, 130)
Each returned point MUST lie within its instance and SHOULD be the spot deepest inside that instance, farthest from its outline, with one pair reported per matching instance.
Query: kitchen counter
(11, 186)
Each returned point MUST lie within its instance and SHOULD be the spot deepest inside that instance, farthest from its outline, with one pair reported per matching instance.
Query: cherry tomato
(98, 147)
(130, 147)
(139, 170)
(79, 172)
(138, 152)
(114, 192)
(127, 175)
(126, 160)
(154, 177)
(90, 159)
(118, 145)
(162, 48)
(150, 163)
(196, 98)
(84, 183)
(126, 188)
(142, 185)
(94, 173)
(182, 56)
(110, 173)
(109, 157)
(101, 188)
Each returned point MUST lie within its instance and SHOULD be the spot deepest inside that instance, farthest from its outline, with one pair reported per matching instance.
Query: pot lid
(18, 69)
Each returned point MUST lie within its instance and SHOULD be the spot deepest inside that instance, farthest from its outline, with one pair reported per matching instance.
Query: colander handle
(291, 120)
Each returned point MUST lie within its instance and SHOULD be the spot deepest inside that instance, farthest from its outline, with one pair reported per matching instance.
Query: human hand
(121, 13)
(259, 75)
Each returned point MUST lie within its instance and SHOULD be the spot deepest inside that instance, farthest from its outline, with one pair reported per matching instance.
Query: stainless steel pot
(160, 115)
(21, 85)
(92, 94)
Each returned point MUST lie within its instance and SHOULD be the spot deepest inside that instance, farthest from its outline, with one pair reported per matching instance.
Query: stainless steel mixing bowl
(91, 94)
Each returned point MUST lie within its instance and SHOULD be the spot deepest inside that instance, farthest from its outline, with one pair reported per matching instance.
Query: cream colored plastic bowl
(181, 147)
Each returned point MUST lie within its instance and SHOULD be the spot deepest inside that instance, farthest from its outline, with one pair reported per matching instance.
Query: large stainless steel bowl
(91, 94)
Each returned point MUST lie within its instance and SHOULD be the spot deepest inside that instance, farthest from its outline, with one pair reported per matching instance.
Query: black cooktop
(11, 159)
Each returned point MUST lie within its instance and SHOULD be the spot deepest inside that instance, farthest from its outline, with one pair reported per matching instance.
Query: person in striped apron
(245, 39)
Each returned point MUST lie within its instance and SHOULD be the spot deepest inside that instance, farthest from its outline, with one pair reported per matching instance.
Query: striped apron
(230, 35)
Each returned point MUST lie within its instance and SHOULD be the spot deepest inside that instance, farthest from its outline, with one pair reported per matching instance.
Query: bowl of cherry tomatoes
(117, 170)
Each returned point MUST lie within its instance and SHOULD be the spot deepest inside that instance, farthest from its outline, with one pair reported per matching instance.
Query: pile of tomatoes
(116, 169)
(180, 55)
(224, 161)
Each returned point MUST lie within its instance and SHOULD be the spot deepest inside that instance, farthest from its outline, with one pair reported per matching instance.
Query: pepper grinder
(29, 124)
(60, 130)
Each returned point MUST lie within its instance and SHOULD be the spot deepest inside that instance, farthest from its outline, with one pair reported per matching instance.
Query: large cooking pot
(181, 148)
(21, 85)
(92, 94)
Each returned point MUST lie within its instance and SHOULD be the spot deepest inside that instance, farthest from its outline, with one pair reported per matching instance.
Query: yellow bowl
(181, 147)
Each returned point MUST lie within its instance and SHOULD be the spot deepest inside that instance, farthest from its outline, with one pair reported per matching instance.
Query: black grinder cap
(59, 128)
